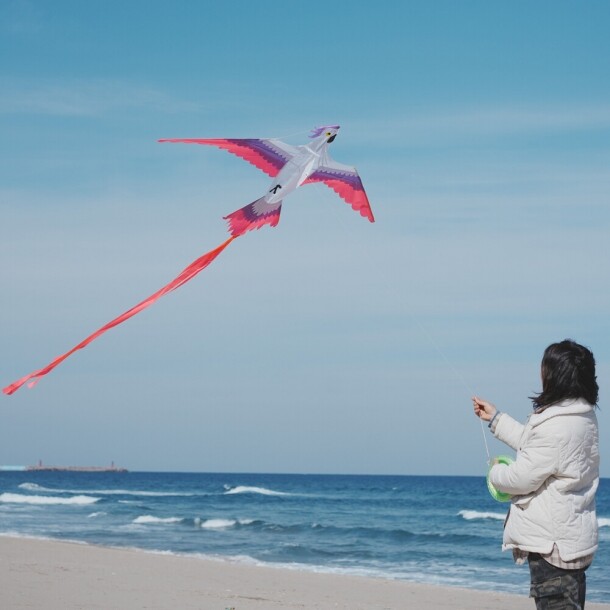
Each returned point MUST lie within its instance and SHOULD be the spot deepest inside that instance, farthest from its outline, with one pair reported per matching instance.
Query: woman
(552, 521)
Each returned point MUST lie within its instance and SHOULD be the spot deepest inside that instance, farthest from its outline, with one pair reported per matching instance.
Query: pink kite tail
(187, 274)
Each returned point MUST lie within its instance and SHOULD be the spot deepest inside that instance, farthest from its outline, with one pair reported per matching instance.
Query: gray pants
(554, 588)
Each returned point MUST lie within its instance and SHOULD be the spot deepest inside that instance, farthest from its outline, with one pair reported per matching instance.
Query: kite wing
(268, 155)
(345, 181)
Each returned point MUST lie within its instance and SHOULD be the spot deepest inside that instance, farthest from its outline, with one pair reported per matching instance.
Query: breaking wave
(214, 524)
(22, 499)
(245, 489)
(149, 519)
(107, 492)
(470, 515)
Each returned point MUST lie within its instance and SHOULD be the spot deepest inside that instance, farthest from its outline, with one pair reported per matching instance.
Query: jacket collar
(570, 406)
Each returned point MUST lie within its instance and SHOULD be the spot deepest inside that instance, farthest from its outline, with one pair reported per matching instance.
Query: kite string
(485, 441)
(440, 352)
(460, 377)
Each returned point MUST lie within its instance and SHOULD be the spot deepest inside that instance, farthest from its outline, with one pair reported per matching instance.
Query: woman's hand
(483, 409)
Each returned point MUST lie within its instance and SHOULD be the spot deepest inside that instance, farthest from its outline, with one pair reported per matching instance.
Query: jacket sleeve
(535, 463)
(508, 430)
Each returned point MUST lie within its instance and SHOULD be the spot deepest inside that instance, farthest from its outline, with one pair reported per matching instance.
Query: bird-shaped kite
(290, 167)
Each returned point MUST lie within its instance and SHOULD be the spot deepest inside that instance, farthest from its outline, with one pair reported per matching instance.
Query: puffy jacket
(553, 480)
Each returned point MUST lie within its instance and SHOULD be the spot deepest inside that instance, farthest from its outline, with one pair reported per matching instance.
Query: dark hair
(568, 371)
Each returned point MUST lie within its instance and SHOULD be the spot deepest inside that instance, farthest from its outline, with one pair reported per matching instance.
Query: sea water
(437, 530)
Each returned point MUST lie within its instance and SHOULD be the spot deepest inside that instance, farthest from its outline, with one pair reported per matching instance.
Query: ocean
(437, 530)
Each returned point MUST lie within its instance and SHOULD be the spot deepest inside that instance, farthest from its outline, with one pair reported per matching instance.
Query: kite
(290, 167)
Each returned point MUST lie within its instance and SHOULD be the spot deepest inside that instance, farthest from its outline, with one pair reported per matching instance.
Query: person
(552, 522)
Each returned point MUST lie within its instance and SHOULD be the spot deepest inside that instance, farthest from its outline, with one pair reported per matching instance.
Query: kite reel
(499, 496)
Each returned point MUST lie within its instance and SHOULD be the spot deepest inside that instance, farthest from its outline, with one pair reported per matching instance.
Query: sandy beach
(50, 575)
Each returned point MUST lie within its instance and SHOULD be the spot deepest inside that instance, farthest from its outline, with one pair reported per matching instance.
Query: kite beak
(332, 138)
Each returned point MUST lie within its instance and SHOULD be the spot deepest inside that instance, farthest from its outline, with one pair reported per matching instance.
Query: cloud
(517, 119)
(85, 97)
(444, 123)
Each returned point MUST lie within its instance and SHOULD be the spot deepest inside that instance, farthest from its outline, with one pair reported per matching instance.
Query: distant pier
(40, 467)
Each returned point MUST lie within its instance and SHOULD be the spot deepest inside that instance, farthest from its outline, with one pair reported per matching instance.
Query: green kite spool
(500, 496)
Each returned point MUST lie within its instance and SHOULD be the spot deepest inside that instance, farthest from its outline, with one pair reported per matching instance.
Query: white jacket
(553, 480)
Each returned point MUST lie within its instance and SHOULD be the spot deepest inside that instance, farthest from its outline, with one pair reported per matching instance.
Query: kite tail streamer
(187, 274)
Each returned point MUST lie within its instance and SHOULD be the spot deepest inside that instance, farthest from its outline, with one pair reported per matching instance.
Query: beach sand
(50, 575)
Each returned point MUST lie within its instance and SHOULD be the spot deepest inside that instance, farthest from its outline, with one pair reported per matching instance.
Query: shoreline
(58, 575)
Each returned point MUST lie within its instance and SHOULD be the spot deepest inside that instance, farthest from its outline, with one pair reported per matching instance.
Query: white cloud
(85, 97)
(445, 122)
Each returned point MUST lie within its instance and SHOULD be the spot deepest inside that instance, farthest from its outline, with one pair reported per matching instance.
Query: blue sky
(481, 132)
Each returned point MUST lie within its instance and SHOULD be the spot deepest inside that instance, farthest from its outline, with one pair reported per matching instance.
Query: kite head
(326, 132)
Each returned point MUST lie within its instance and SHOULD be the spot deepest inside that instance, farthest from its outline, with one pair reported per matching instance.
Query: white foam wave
(215, 524)
(98, 514)
(222, 523)
(105, 492)
(22, 499)
(33, 487)
(470, 515)
(148, 519)
(245, 489)
(151, 494)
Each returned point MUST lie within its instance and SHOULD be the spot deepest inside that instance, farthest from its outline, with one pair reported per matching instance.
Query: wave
(153, 494)
(470, 515)
(107, 492)
(148, 519)
(21, 499)
(98, 514)
(245, 489)
(214, 524)
(32, 487)
(239, 489)
(390, 536)
(218, 523)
